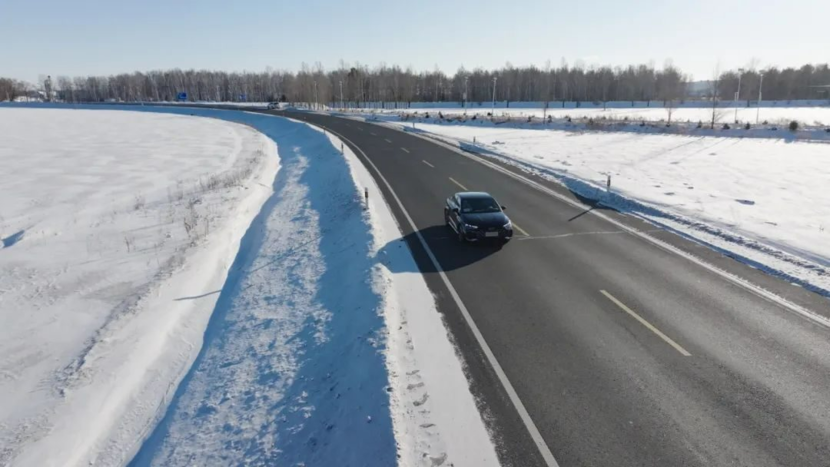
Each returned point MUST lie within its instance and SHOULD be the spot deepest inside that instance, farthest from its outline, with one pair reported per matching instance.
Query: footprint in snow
(669, 193)
(439, 459)
(422, 400)
(747, 202)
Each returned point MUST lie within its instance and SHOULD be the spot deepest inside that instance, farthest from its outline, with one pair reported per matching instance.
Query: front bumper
(481, 234)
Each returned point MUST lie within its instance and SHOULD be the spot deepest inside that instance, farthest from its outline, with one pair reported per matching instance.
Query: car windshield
(479, 205)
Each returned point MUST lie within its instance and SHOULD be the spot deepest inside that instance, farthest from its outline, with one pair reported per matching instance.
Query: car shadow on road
(450, 253)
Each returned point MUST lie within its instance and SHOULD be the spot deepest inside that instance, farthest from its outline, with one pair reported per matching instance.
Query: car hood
(488, 219)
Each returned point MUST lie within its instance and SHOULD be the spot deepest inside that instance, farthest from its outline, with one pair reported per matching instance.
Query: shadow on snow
(343, 377)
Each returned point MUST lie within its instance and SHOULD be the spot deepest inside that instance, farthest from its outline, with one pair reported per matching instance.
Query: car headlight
(508, 226)
(470, 227)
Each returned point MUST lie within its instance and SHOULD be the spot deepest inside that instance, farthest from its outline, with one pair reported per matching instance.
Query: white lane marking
(405, 150)
(361, 129)
(373, 133)
(740, 282)
(427, 163)
(388, 140)
(491, 358)
(452, 225)
(572, 234)
(456, 182)
(645, 323)
(521, 230)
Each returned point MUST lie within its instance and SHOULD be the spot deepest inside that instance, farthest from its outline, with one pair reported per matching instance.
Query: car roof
(473, 194)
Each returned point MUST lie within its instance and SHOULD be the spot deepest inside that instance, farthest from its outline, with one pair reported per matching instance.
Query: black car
(477, 216)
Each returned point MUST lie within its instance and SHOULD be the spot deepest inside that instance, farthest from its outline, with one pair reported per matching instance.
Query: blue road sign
(182, 96)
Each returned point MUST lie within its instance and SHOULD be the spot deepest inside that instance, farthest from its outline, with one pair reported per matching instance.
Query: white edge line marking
(743, 283)
(456, 182)
(427, 163)
(405, 150)
(648, 325)
(491, 358)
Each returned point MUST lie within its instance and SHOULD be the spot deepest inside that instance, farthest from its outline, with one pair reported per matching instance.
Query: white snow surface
(434, 415)
(763, 200)
(117, 229)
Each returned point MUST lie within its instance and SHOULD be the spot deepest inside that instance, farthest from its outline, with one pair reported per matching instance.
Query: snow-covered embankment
(325, 347)
(117, 231)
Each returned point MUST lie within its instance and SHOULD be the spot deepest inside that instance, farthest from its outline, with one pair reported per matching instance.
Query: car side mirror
(504, 208)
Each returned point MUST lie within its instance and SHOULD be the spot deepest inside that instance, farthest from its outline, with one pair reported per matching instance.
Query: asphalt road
(623, 353)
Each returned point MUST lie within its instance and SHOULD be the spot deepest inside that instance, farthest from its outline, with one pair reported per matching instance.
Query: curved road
(621, 351)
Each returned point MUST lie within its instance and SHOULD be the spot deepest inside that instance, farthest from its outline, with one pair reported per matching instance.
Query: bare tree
(362, 84)
(714, 95)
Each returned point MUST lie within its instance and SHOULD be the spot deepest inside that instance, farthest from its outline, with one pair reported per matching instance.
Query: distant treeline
(359, 84)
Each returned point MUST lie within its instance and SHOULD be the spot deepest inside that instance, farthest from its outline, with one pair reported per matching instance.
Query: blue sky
(81, 37)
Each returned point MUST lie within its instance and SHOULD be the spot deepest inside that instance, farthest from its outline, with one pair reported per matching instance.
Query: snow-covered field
(110, 222)
(764, 201)
(136, 242)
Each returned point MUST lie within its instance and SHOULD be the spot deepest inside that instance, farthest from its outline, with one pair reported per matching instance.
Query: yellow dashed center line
(521, 230)
(647, 324)
(456, 182)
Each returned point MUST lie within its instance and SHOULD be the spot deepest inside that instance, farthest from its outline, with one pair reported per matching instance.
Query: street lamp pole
(738, 94)
(758, 108)
(493, 112)
(466, 78)
(315, 95)
(342, 102)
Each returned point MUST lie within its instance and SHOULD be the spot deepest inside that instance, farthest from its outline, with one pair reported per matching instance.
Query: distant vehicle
(476, 216)
(273, 105)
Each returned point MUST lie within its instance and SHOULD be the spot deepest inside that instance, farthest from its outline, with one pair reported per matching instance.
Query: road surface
(622, 353)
